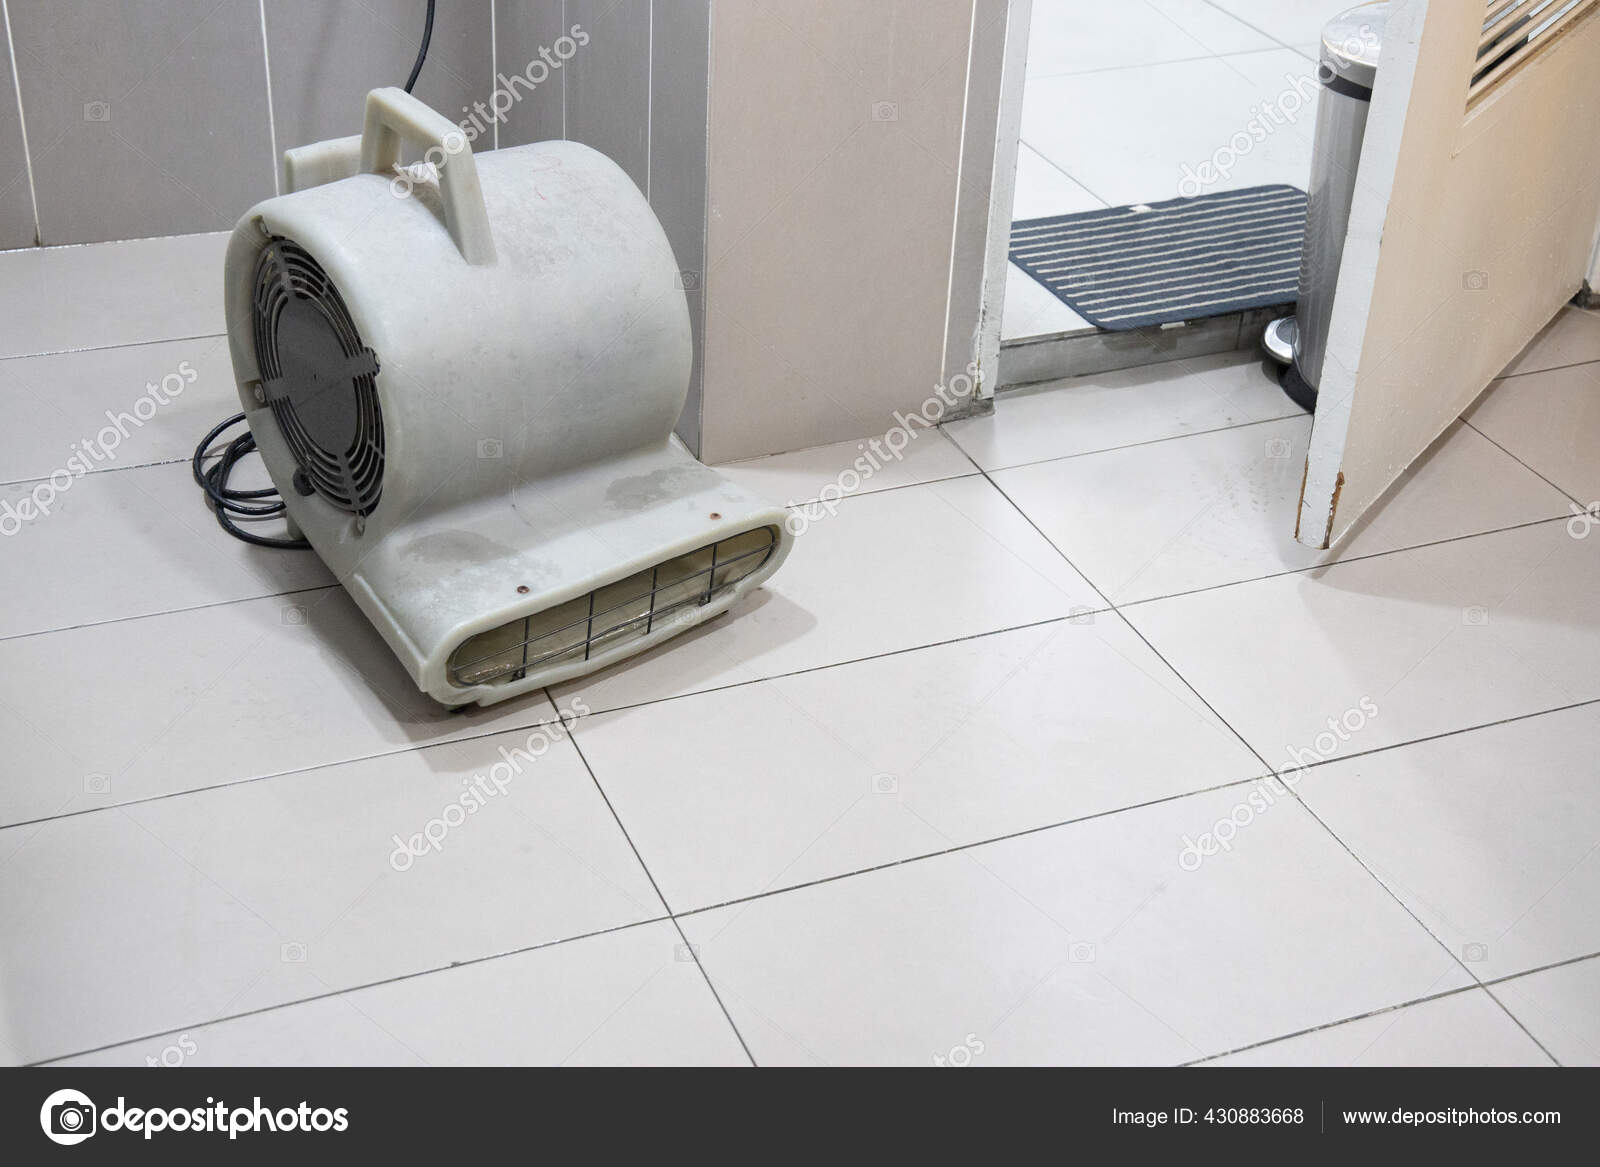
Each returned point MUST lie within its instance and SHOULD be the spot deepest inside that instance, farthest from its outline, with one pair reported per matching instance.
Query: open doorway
(1137, 105)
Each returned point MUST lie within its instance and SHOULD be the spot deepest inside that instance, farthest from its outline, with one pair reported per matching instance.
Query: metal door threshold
(1086, 351)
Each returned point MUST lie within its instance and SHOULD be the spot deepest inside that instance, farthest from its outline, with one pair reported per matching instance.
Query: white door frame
(1002, 195)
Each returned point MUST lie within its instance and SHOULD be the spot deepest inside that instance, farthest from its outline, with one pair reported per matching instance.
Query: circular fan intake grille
(320, 380)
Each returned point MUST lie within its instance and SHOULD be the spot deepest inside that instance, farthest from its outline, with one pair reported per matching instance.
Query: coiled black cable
(226, 501)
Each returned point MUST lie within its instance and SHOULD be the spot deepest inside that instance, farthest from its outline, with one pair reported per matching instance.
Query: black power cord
(225, 501)
(422, 53)
(252, 504)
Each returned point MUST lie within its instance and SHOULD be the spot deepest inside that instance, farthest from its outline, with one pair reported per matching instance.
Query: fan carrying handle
(394, 116)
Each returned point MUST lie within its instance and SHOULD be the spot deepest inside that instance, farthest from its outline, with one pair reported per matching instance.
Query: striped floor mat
(1154, 263)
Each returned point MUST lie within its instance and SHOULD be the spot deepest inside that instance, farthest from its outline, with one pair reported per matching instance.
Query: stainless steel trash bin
(1351, 43)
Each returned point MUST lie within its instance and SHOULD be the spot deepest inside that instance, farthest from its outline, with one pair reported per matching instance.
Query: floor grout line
(1294, 793)
(694, 954)
(676, 917)
(1387, 1009)
(1551, 369)
(1564, 962)
(1517, 1021)
(397, 979)
(1078, 182)
(527, 726)
(1455, 957)
(412, 748)
(100, 348)
(99, 470)
(1487, 986)
(1517, 458)
(1257, 29)
(978, 471)
(959, 848)
(1221, 429)
(1276, 46)
(1334, 563)
(811, 502)
(1128, 623)
(303, 591)
(606, 798)
(1267, 771)
(645, 867)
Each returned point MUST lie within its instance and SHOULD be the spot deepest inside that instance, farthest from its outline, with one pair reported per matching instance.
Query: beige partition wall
(823, 170)
(840, 254)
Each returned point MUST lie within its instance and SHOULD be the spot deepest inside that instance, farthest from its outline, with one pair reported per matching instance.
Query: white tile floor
(1120, 97)
(943, 779)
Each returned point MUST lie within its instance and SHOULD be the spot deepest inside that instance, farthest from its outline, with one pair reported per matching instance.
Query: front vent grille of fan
(318, 378)
(641, 606)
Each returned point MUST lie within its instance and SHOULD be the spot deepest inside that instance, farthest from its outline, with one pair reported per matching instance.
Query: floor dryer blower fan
(465, 390)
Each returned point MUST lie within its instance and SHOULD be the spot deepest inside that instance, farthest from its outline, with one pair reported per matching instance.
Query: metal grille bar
(1514, 31)
(494, 655)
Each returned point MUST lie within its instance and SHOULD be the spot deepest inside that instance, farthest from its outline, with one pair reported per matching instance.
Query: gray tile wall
(326, 55)
(522, 28)
(637, 91)
(144, 117)
(151, 117)
(608, 82)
